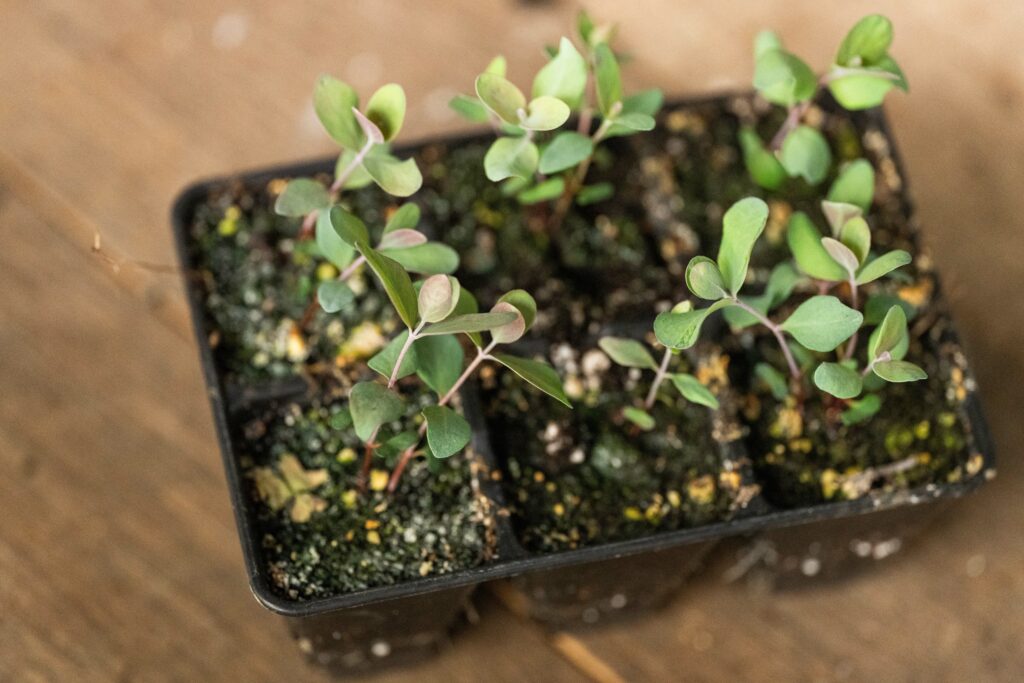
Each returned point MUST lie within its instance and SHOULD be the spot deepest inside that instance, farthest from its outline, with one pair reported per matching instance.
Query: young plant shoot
(862, 74)
(821, 323)
(536, 155)
(364, 136)
(433, 311)
(633, 354)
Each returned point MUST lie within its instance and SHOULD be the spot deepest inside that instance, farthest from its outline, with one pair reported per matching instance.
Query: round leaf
(544, 113)
(783, 78)
(437, 297)
(372, 405)
(302, 196)
(401, 239)
(862, 90)
(854, 185)
(386, 109)
(838, 213)
(511, 331)
(447, 431)
(805, 153)
(822, 323)
(334, 295)
(397, 178)
(501, 96)
(704, 279)
(742, 224)
(566, 150)
(564, 77)
(348, 227)
(680, 330)
(838, 380)
(763, 167)
(405, 217)
(627, 352)
(856, 235)
(524, 303)
(333, 102)
(439, 361)
(511, 156)
(334, 249)
(867, 42)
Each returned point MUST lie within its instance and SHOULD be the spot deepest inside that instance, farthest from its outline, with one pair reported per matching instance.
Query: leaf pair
(886, 349)
(844, 257)
(632, 354)
(864, 72)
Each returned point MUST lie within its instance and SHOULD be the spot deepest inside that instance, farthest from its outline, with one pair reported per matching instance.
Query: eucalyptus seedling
(632, 354)
(536, 155)
(820, 324)
(364, 136)
(434, 311)
(861, 75)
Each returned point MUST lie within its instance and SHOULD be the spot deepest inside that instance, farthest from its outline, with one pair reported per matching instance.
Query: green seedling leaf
(838, 213)
(564, 77)
(544, 113)
(742, 224)
(592, 194)
(497, 66)
(805, 153)
(332, 247)
(838, 380)
(854, 185)
(640, 418)
(467, 304)
(584, 26)
(396, 283)
(763, 167)
(704, 279)
(524, 303)
(607, 78)
(372, 405)
(822, 323)
(539, 374)
(401, 239)
(348, 227)
(391, 448)
(469, 108)
(856, 236)
(635, 121)
(647, 102)
(369, 128)
(302, 196)
(898, 371)
(680, 330)
(384, 361)
(406, 217)
(804, 241)
(333, 102)
(841, 254)
(447, 431)
(431, 258)
(397, 178)
(471, 322)
(867, 42)
(693, 391)
(890, 335)
(878, 307)
(862, 90)
(566, 150)
(437, 298)
(765, 41)
(783, 78)
(889, 65)
(781, 282)
(552, 188)
(883, 265)
(773, 379)
(438, 361)
(386, 109)
(501, 96)
(627, 352)
(357, 178)
(511, 331)
(511, 157)
(334, 295)
(862, 410)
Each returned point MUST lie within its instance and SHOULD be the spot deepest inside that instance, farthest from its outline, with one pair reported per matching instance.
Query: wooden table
(118, 555)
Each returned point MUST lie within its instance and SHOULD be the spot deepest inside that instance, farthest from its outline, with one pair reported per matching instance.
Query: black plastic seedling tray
(354, 630)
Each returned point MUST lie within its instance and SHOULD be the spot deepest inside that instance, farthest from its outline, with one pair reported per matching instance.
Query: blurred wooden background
(118, 555)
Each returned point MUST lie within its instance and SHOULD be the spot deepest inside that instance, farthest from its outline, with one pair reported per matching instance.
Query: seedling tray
(378, 622)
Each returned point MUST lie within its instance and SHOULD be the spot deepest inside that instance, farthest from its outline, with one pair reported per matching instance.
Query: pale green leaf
(397, 178)
(693, 391)
(566, 150)
(348, 227)
(856, 236)
(805, 153)
(552, 188)
(742, 224)
(627, 352)
(680, 330)
(564, 77)
(469, 108)
(333, 102)
(854, 185)
(898, 371)
(608, 79)
(641, 418)
(524, 302)
(539, 374)
(386, 109)
(773, 379)
(471, 322)
(372, 405)
(544, 113)
(334, 295)
(765, 41)
(867, 42)
(302, 196)
(510, 156)
(805, 244)
(437, 297)
(501, 96)
(704, 279)
(331, 245)
(406, 217)
(841, 254)
(447, 431)
(396, 284)
(889, 335)
(838, 380)
(822, 323)
(883, 265)
(783, 78)
(438, 361)
(383, 362)
(431, 258)
(592, 194)
(763, 167)
(861, 410)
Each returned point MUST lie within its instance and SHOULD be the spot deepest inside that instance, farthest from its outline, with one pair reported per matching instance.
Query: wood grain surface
(118, 554)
